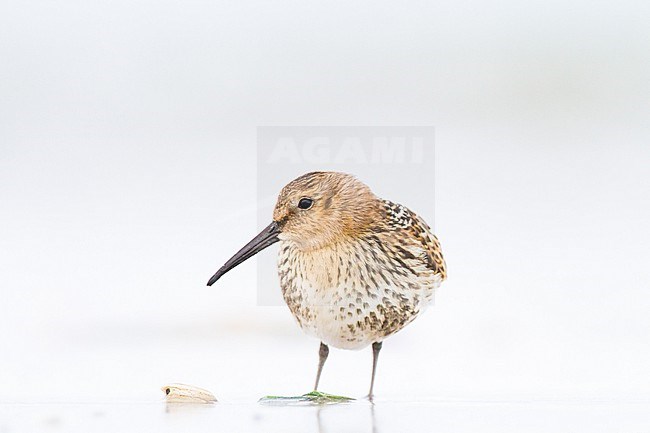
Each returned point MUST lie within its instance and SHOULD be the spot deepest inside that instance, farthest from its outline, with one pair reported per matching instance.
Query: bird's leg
(315, 396)
(322, 357)
(376, 347)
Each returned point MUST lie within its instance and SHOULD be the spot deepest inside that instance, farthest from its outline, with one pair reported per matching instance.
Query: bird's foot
(314, 397)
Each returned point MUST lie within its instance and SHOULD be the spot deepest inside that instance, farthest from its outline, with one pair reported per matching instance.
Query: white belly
(347, 304)
(338, 319)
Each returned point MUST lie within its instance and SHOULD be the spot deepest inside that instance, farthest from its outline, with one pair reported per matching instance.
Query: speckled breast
(352, 294)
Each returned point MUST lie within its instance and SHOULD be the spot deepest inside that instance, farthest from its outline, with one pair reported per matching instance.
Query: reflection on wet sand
(332, 408)
(330, 418)
(187, 408)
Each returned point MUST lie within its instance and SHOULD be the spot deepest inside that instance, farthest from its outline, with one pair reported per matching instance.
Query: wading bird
(354, 268)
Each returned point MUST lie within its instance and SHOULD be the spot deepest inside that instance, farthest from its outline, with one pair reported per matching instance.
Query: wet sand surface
(360, 416)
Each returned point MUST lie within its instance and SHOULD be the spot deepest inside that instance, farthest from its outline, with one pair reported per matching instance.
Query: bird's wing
(401, 219)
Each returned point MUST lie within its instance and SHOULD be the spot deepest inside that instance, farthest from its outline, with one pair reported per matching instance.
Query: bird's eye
(167, 391)
(305, 203)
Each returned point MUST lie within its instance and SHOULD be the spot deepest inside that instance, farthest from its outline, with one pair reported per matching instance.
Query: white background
(127, 177)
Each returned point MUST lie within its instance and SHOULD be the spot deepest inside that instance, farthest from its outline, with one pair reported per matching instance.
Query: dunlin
(354, 268)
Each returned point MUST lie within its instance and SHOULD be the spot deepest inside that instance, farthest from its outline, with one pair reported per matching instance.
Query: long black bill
(267, 237)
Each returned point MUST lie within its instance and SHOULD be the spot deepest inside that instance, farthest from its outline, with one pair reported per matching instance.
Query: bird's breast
(349, 295)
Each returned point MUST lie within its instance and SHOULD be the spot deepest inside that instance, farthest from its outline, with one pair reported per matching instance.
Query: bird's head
(313, 211)
(318, 209)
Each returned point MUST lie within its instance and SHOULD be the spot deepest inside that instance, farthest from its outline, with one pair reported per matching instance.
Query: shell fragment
(181, 393)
